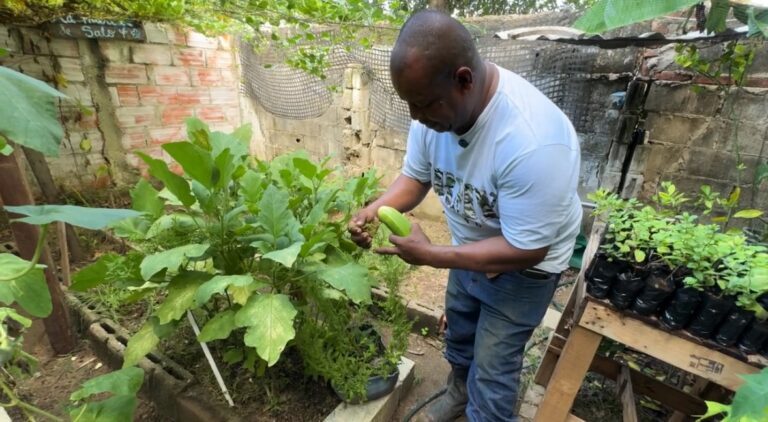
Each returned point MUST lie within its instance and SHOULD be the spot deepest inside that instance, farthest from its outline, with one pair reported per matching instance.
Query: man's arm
(492, 255)
(404, 194)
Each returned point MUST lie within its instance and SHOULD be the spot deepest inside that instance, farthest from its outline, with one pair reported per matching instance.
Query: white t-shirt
(517, 177)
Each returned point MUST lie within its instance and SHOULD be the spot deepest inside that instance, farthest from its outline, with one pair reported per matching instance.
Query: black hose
(415, 409)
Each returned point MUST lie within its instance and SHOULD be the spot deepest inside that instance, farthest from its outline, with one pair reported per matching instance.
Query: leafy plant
(23, 283)
(748, 403)
(259, 249)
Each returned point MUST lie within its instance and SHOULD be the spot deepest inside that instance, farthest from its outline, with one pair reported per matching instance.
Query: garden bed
(180, 395)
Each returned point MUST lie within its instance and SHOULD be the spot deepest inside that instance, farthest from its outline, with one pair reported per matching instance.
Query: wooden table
(571, 353)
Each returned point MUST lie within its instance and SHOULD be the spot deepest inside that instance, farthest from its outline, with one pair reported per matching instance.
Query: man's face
(438, 103)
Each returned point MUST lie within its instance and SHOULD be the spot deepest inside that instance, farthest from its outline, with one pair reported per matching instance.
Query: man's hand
(414, 249)
(357, 227)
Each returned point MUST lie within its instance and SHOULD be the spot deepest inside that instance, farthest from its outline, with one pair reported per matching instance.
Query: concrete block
(725, 135)
(717, 165)
(126, 74)
(116, 51)
(149, 95)
(206, 77)
(750, 105)
(33, 42)
(170, 75)
(189, 57)
(219, 59)
(196, 39)
(674, 129)
(176, 115)
(155, 33)
(224, 95)
(78, 91)
(382, 409)
(151, 54)
(38, 68)
(211, 114)
(71, 69)
(135, 116)
(681, 99)
(7, 41)
(63, 47)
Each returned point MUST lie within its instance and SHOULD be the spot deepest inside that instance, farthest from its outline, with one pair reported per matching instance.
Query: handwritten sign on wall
(72, 26)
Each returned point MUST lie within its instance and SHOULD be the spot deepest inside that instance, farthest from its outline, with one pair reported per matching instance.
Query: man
(504, 162)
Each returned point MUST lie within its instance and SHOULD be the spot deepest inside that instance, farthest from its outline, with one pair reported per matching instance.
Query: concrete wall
(694, 137)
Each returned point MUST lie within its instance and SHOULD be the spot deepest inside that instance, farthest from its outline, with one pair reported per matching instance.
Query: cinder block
(206, 77)
(674, 129)
(126, 74)
(170, 75)
(71, 69)
(135, 116)
(155, 33)
(189, 57)
(151, 54)
(115, 51)
(219, 59)
(61, 47)
(681, 99)
(196, 39)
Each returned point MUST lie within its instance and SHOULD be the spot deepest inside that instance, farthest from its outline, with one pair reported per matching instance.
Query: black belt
(536, 274)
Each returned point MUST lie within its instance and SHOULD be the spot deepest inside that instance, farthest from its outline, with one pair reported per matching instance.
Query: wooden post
(14, 190)
(569, 372)
(627, 395)
(61, 234)
(50, 192)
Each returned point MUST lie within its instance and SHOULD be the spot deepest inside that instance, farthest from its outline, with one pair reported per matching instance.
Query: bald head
(436, 39)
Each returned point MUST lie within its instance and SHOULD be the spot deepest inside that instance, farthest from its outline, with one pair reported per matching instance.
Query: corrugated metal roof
(569, 35)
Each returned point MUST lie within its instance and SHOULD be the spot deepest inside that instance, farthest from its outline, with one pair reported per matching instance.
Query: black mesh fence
(558, 70)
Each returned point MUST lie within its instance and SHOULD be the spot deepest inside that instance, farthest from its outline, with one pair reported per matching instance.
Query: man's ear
(465, 78)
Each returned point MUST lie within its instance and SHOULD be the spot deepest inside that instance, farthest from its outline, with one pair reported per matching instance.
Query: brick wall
(134, 96)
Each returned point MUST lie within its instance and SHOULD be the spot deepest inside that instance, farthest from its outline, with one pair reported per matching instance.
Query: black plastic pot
(754, 338)
(626, 288)
(712, 311)
(733, 326)
(601, 275)
(681, 308)
(658, 287)
(375, 388)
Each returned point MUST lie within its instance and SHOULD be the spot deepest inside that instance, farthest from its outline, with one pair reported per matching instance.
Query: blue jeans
(489, 323)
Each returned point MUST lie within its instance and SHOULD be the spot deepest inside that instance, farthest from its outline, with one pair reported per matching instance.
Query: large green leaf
(109, 268)
(11, 265)
(89, 218)
(269, 319)
(29, 113)
(718, 13)
(219, 284)
(219, 327)
(610, 14)
(758, 21)
(5, 148)
(171, 259)
(196, 162)
(176, 221)
(173, 182)
(145, 340)
(251, 186)
(286, 256)
(275, 217)
(30, 291)
(123, 384)
(145, 199)
(181, 295)
(221, 141)
(125, 381)
(114, 409)
(749, 402)
(714, 408)
(352, 278)
(244, 133)
(748, 213)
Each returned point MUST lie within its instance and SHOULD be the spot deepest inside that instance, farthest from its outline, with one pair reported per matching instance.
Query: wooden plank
(626, 395)
(574, 418)
(694, 358)
(695, 390)
(593, 243)
(645, 385)
(568, 375)
(64, 251)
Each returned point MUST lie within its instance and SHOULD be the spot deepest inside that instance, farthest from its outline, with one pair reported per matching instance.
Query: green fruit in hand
(395, 221)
